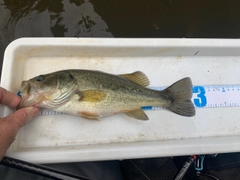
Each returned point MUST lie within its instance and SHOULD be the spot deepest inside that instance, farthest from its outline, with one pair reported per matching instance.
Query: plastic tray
(67, 138)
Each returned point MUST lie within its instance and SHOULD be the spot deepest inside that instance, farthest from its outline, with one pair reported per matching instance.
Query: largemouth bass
(95, 94)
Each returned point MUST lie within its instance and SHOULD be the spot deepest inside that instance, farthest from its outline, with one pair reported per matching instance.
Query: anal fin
(137, 114)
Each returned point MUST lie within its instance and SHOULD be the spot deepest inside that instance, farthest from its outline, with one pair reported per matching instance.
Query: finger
(8, 98)
(10, 125)
(22, 116)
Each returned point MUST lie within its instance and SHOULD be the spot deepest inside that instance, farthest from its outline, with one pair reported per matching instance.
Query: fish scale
(205, 96)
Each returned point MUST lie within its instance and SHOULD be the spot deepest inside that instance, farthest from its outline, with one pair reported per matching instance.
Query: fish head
(47, 91)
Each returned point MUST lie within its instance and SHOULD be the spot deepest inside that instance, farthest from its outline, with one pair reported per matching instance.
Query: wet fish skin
(95, 94)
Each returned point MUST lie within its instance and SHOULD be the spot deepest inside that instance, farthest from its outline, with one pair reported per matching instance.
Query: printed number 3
(201, 101)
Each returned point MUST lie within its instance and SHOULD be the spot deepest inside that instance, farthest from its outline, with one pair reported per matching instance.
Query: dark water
(118, 18)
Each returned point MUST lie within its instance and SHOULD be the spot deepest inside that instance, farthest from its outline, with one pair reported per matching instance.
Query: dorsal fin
(137, 77)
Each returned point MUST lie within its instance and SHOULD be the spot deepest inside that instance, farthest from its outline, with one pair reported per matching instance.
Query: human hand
(10, 125)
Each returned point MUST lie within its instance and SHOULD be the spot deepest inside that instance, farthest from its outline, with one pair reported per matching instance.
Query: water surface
(118, 18)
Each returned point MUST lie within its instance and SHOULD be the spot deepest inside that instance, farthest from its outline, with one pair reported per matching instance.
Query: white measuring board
(206, 96)
(66, 138)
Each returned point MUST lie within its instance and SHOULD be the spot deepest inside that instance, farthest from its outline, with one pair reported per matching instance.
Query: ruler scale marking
(206, 96)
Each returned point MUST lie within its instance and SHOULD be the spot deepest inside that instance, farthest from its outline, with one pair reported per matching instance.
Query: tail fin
(180, 94)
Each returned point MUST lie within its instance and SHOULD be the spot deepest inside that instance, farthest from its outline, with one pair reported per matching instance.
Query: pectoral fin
(137, 114)
(137, 77)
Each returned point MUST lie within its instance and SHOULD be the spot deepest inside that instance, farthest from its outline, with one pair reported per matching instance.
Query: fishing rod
(39, 170)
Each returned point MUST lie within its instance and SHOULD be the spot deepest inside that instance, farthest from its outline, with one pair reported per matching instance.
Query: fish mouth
(29, 97)
(51, 97)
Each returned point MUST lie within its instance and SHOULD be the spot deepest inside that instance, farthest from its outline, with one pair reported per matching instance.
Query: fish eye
(40, 78)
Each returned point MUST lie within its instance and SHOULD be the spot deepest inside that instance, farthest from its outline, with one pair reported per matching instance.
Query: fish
(95, 94)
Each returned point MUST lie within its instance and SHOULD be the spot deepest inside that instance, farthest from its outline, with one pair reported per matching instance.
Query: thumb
(22, 116)
(10, 125)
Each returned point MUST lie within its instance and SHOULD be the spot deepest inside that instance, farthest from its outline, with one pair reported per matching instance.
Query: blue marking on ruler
(147, 108)
(201, 101)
